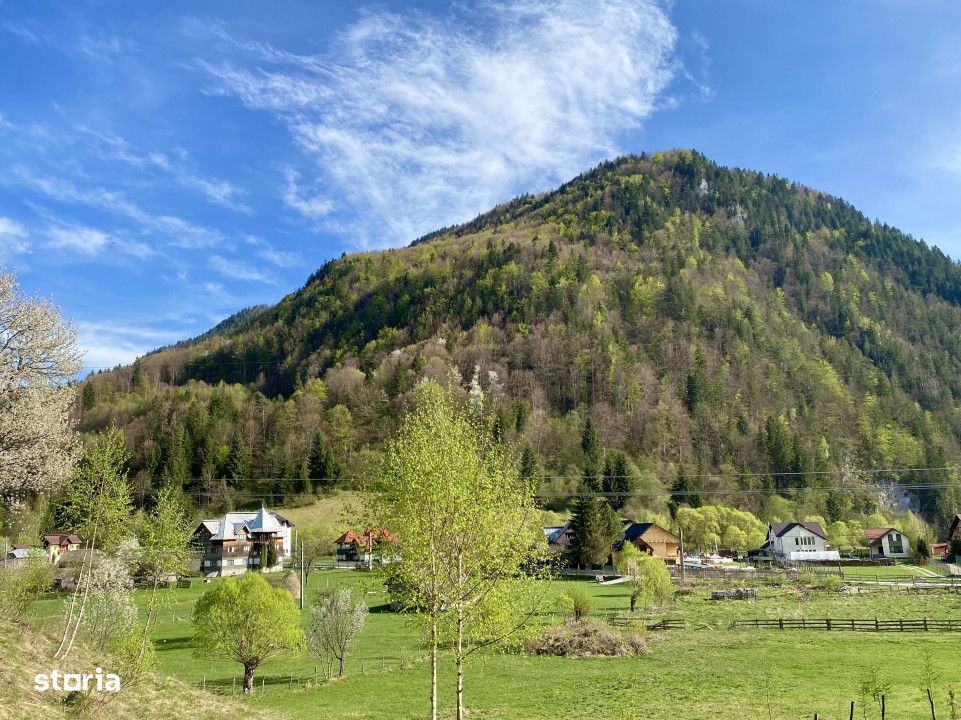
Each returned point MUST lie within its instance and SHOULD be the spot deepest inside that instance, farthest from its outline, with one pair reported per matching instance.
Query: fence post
(931, 702)
(205, 682)
(263, 681)
(851, 715)
(233, 686)
(882, 707)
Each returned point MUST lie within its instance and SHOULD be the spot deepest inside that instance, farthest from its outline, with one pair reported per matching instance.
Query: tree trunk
(249, 678)
(151, 609)
(460, 662)
(433, 667)
(633, 601)
(341, 672)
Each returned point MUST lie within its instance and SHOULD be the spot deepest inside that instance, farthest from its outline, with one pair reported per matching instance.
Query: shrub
(577, 600)
(586, 638)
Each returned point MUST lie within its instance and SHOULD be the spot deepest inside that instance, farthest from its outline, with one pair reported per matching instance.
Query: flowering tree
(37, 359)
(335, 620)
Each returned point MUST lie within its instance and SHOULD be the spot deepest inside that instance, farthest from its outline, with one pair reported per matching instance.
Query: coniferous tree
(530, 470)
(239, 461)
(322, 465)
(617, 481)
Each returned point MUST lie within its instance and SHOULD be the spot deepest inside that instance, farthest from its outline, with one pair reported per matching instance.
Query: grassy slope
(705, 671)
(25, 651)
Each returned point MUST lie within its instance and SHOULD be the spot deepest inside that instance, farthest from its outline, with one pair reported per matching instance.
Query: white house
(238, 541)
(887, 542)
(798, 541)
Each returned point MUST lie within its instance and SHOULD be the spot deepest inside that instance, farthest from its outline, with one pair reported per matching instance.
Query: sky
(163, 165)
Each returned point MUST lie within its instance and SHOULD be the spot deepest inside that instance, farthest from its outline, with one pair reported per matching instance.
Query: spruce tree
(530, 471)
(617, 479)
(322, 466)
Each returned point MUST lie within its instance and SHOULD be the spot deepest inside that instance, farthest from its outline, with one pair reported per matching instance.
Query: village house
(798, 541)
(651, 539)
(954, 530)
(239, 541)
(558, 538)
(17, 555)
(353, 548)
(59, 544)
(887, 542)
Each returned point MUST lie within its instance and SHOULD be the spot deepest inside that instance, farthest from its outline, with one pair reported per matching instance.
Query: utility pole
(680, 549)
(303, 579)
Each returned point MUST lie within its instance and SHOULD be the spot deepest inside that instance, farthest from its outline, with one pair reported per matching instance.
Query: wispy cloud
(81, 239)
(178, 231)
(416, 121)
(13, 237)
(266, 251)
(108, 344)
(104, 48)
(239, 270)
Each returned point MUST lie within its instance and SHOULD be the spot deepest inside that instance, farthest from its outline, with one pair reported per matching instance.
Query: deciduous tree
(246, 620)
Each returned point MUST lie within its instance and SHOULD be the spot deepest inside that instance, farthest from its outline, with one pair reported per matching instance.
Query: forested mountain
(724, 330)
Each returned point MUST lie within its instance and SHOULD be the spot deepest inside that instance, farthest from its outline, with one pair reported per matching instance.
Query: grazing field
(705, 670)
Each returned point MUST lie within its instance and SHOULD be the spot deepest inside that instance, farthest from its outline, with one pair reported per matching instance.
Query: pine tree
(322, 466)
(530, 470)
(617, 479)
(239, 461)
(590, 446)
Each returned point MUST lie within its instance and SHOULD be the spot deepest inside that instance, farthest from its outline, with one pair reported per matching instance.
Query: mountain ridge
(708, 319)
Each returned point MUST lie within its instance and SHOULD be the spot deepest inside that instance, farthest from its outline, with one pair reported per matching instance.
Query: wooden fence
(875, 625)
(628, 621)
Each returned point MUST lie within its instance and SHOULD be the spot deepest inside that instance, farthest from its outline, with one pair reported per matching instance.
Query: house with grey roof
(798, 541)
(239, 541)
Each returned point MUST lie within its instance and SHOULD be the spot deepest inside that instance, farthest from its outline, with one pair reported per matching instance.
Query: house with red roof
(363, 548)
(887, 542)
(59, 543)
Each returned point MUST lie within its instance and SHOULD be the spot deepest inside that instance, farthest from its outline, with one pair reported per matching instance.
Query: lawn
(703, 671)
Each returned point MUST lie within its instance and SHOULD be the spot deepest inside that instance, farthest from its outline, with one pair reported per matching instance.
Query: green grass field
(703, 671)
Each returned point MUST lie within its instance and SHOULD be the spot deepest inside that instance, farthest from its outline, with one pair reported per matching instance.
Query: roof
(228, 525)
(872, 534)
(781, 528)
(61, 539)
(20, 553)
(554, 532)
(955, 522)
(367, 538)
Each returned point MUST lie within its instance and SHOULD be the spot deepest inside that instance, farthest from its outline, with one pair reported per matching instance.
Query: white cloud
(178, 231)
(108, 344)
(416, 121)
(314, 208)
(239, 270)
(13, 237)
(84, 240)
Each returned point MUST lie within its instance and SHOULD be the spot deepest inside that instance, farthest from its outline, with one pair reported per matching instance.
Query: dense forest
(724, 334)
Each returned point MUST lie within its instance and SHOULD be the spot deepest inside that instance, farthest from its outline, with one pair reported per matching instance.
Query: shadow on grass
(176, 643)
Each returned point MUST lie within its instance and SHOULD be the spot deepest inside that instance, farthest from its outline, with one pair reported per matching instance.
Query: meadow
(704, 670)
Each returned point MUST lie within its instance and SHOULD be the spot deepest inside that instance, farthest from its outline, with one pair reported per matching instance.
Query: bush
(577, 600)
(585, 638)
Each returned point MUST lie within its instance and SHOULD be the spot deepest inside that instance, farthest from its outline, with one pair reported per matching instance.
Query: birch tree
(38, 358)
(465, 522)
(163, 535)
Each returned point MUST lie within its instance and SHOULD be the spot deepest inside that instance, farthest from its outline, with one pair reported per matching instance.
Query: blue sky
(164, 164)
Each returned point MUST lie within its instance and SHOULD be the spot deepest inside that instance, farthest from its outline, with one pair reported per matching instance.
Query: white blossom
(38, 358)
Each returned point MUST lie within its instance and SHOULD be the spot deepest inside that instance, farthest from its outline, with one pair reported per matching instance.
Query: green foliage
(96, 504)
(758, 327)
(650, 581)
(577, 601)
(246, 620)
